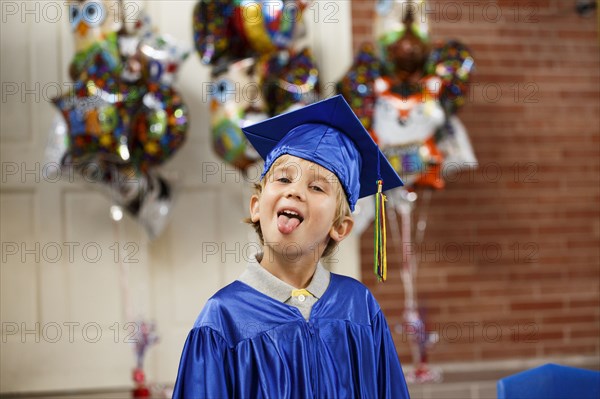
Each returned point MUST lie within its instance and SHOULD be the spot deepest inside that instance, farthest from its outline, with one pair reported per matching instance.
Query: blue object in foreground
(551, 381)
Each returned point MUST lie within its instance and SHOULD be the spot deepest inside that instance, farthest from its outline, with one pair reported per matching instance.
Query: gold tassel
(380, 261)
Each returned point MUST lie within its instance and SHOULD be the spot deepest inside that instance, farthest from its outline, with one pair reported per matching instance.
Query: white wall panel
(196, 275)
(332, 20)
(15, 63)
(183, 280)
(93, 274)
(20, 259)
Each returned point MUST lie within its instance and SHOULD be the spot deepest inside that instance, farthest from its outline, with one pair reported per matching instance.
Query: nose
(294, 191)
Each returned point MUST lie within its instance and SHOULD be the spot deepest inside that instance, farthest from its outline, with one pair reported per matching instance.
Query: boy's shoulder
(236, 312)
(347, 282)
(353, 295)
(350, 283)
(225, 301)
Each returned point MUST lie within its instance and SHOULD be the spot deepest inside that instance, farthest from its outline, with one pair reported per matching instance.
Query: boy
(288, 328)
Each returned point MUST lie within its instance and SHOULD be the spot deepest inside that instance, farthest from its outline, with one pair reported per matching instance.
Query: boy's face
(296, 208)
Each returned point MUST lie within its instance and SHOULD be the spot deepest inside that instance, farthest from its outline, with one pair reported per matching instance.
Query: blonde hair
(342, 206)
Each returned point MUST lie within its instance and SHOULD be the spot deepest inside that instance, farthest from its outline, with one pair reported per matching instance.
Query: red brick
(584, 303)
(569, 319)
(569, 349)
(591, 333)
(536, 305)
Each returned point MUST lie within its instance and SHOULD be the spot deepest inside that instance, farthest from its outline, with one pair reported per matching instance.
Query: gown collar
(260, 279)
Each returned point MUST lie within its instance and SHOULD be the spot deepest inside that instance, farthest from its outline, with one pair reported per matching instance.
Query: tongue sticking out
(287, 224)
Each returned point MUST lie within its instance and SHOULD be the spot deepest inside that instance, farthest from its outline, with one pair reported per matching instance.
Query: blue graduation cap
(327, 133)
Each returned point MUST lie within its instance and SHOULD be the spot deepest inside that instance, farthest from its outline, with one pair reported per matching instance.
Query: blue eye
(384, 7)
(74, 15)
(94, 13)
(225, 90)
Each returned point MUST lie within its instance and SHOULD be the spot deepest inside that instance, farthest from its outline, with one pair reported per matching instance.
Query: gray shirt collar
(260, 279)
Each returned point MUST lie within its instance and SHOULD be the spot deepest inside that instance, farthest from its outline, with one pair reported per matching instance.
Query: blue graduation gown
(248, 345)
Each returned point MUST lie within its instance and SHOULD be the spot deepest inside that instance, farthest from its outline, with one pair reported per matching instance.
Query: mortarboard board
(329, 134)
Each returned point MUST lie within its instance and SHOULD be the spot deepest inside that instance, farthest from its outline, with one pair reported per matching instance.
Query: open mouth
(290, 214)
(288, 220)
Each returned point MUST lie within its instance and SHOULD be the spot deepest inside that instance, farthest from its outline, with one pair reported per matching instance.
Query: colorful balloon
(405, 120)
(404, 50)
(235, 101)
(161, 56)
(289, 79)
(358, 85)
(96, 128)
(92, 20)
(159, 128)
(269, 24)
(212, 25)
(100, 63)
(453, 63)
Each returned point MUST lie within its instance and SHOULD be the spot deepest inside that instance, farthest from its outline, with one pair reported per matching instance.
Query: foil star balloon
(122, 115)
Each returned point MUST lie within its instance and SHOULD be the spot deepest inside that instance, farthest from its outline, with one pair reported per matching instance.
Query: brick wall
(510, 264)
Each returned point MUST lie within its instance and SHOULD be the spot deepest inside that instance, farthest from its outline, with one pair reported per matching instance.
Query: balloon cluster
(407, 92)
(406, 95)
(122, 118)
(256, 70)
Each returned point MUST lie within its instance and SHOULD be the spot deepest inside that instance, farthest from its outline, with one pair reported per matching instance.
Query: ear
(342, 230)
(254, 208)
